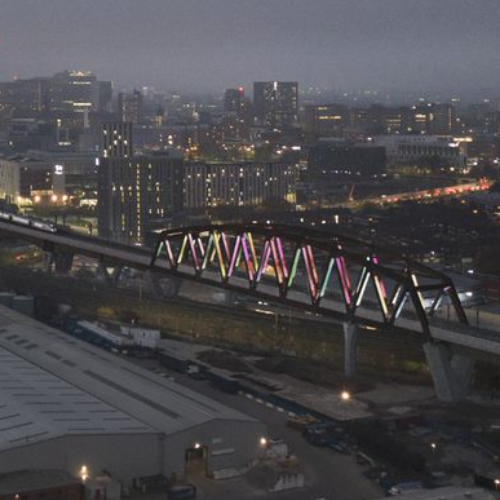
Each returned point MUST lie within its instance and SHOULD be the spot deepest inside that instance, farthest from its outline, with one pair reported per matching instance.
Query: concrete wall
(128, 456)
(124, 456)
(400, 354)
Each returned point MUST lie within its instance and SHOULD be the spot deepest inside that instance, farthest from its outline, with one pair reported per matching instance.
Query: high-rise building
(237, 114)
(327, 120)
(117, 140)
(276, 104)
(435, 119)
(76, 91)
(130, 107)
(69, 91)
(133, 192)
(24, 97)
(233, 100)
(208, 185)
(442, 119)
(397, 121)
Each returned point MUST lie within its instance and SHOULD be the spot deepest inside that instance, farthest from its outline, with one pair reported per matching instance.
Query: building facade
(68, 91)
(327, 120)
(134, 191)
(79, 406)
(416, 150)
(209, 185)
(117, 140)
(329, 161)
(130, 107)
(276, 104)
(46, 177)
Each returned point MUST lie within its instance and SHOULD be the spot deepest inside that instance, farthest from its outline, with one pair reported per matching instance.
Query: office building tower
(234, 100)
(442, 119)
(24, 97)
(130, 107)
(76, 91)
(117, 140)
(326, 120)
(134, 192)
(65, 92)
(276, 104)
(237, 114)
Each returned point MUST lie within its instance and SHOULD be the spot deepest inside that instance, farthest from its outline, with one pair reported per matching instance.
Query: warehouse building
(68, 405)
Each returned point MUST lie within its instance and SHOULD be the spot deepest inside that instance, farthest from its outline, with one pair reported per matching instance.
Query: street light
(497, 484)
(263, 442)
(345, 396)
(84, 473)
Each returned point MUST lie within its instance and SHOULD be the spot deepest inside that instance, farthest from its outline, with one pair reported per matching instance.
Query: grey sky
(211, 44)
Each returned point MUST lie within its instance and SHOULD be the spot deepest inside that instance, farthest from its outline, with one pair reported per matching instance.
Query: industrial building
(68, 405)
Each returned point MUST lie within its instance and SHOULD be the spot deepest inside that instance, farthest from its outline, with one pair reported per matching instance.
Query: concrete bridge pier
(63, 262)
(59, 261)
(166, 288)
(451, 372)
(350, 349)
(48, 261)
(110, 273)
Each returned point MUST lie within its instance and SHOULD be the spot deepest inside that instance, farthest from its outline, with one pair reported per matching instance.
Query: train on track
(29, 222)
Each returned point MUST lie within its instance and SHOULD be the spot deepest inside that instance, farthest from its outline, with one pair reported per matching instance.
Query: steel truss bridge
(327, 273)
(351, 281)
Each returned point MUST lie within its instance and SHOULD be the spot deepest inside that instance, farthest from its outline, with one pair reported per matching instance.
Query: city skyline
(446, 46)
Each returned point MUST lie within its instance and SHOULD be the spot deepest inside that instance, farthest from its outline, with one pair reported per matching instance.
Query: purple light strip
(312, 285)
(282, 257)
(234, 259)
(277, 265)
(194, 252)
(264, 260)
(344, 279)
(248, 259)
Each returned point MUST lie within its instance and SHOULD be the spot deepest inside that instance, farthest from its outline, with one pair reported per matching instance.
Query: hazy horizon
(439, 45)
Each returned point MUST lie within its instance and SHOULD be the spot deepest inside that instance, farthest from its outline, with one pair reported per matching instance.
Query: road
(328, 474)
(425, 195)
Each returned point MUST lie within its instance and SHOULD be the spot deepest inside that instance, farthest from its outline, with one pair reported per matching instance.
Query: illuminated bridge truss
(322, 272)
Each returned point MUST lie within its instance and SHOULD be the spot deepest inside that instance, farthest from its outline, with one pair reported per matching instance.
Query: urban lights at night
(84, 473)
(345, 396)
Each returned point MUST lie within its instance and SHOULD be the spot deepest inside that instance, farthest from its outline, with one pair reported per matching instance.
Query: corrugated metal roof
(54, 385)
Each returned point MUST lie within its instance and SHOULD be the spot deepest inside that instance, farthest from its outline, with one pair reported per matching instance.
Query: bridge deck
(140, 258)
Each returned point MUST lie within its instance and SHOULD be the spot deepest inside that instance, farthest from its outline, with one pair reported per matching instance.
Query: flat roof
(54, 384)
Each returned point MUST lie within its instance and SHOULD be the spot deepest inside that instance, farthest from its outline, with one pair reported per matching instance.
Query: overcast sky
(213, 44)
